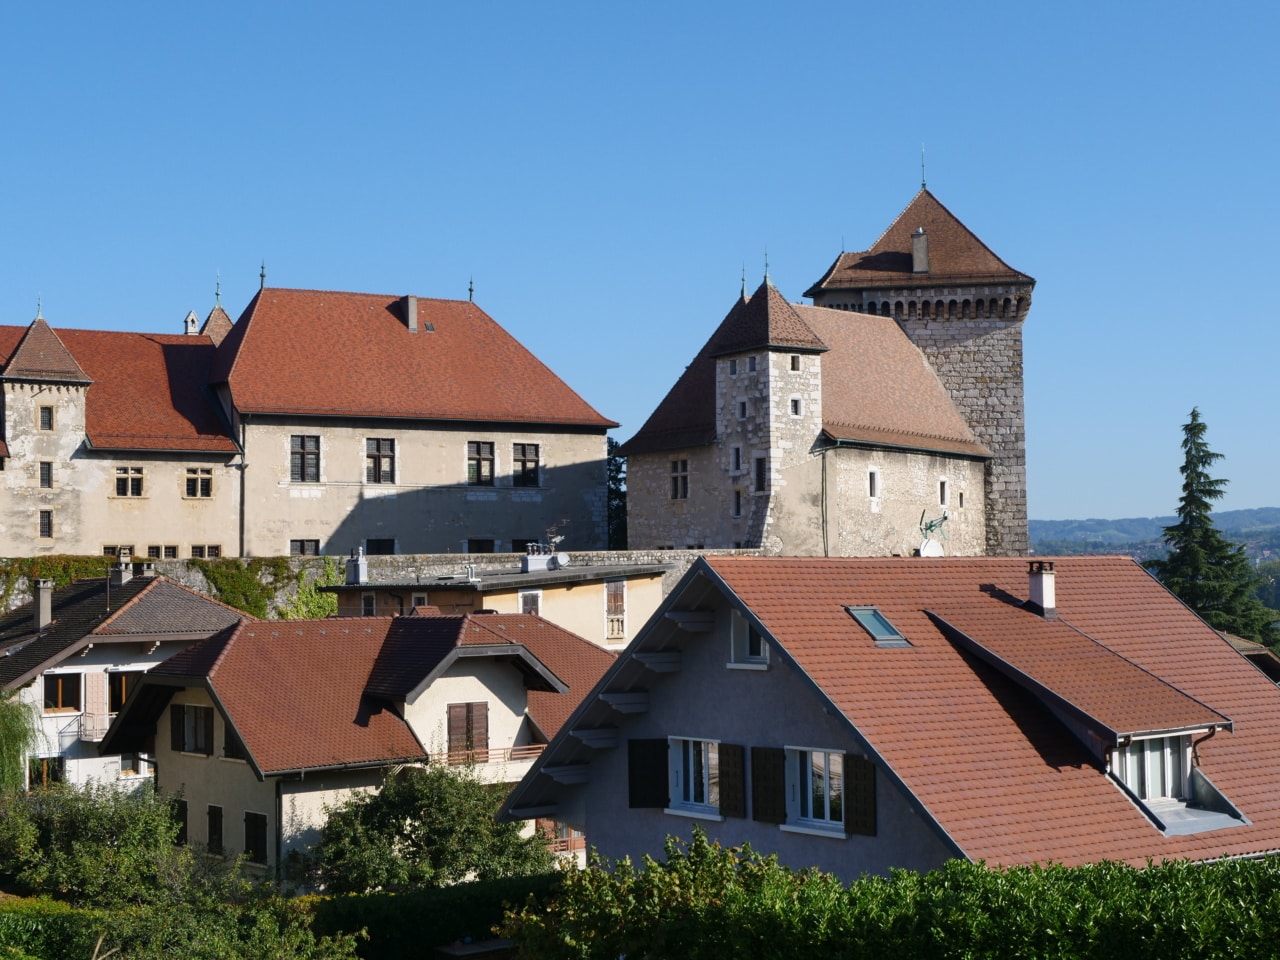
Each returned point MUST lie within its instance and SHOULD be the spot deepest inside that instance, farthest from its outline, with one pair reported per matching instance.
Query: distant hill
(1143, 537)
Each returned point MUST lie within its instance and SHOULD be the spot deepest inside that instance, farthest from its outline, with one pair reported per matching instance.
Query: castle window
(304, 459)
(480, 463)
(679, 479)
(795, 362)
(960, 499)
(797, 406)
(751, 364)
(762, 474)
(742, 409)
(873, 484)
(128, 481)
(46, 474)
(735, 459)
(199, 482)
(942, 492)
(46, 523)
(46, 418)
(524, 465)
(379, 460)
(737, 503)
(733, 366)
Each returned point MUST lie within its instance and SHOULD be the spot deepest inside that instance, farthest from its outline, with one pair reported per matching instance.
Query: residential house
(859, 715)
(319, 422)
(887, 414)
(76, 653)
(264, 724)
(605, 603)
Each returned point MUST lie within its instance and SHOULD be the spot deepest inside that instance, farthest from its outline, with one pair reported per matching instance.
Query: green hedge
(48, 929)
(706, 903)
(405, 926)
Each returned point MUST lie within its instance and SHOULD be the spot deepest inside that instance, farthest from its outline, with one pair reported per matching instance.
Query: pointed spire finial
(471, 289)
(922, 179)
(39, 309)
(262, 276)
(217, 289)
(744, 281)
(766, 266)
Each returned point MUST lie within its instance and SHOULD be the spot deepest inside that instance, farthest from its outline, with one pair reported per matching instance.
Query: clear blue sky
(604, 172)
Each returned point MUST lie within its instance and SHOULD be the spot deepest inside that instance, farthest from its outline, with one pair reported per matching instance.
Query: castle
(888, 413)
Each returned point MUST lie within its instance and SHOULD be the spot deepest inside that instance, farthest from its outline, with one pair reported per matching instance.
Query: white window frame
(748, 649)
(420, 600)
(535, 595)
(944, 495)
(796, 406)
(799, 774)
(1167, 757)
(875, 488)
(693, 771)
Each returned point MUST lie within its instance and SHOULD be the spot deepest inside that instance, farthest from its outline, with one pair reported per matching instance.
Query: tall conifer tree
(1204, 569)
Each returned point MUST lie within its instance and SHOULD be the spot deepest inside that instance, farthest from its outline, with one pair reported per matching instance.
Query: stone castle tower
(963, 307)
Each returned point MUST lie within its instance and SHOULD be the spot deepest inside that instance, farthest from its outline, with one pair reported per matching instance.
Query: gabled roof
(956, 255)
(877, 387)
(88, 611)
(312, 694)
(324, 353)
(40, 355)
(147, 391)
(984, 743)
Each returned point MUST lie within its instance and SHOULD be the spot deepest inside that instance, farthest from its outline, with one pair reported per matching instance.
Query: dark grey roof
(169, 607)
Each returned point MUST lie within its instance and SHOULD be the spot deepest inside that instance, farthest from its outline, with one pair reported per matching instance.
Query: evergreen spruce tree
(1204, 569)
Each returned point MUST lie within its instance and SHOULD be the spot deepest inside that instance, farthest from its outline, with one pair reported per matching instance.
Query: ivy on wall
(308, 602)
(248, 585)
(60, 568)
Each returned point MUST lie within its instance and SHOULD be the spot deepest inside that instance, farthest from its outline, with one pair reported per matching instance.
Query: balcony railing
(616, 628)
(528, 751)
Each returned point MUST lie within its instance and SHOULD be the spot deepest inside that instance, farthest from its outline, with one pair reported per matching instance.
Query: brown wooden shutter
(95, 699)
(175, 727)
(733, 780)
(769, 784)
(457, 733)
(647, 784)
(206, 720)
(480, 731)
(859, 795)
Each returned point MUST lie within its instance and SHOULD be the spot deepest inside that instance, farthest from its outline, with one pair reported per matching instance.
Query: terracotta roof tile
(40, 355)
(216, 325)
(877, 387)
(310, 352)
(990, 763)
(955, 254)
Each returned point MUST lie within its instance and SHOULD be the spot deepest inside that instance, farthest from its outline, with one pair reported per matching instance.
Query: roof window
(884, 633)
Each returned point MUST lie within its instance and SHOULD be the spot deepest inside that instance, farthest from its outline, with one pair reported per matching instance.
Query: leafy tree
(1269, 584)
(426, 827)
(1204, 569)
(19, 731)
(617, 502)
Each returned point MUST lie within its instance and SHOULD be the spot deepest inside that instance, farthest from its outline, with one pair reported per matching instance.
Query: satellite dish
(562, 560)
(931, 548)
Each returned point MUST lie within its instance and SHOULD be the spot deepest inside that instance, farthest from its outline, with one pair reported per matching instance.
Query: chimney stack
(43, 603)
(1042, 597)
(411, 313)
(122, 572)
(919, 251)
(357, 569)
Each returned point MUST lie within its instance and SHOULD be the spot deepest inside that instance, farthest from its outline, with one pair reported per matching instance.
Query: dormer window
(748, 648)
(1155, 768)
(877, 624)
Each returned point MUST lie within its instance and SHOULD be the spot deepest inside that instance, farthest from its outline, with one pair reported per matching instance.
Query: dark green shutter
(769, 784)
(733, 780)
(859, 795)
(647, 773)
(207, 720)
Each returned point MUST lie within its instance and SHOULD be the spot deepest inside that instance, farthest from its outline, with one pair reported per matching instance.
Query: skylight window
(884, 633)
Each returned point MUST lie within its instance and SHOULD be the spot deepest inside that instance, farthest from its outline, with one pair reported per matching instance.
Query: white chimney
(919, 251)
(43, 603)
(122, 572)
(411, 313)
(357, 568)
(1042, 597)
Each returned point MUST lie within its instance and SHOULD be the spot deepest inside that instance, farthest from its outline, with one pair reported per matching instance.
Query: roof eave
(922, 448)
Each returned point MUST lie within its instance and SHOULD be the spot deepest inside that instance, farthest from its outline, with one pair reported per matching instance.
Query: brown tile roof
(86, 609)
(955, 254)
(878, 388)
(217, 325)
(148, 391)
(40, 355)
(311, 352)
(876, 385)
(294, 690)
(991, 765)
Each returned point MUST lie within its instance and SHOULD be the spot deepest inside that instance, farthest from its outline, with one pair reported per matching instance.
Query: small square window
(531, 601)
(877, 624)
(304, 548)
(795, 362)
(46, 418)
(797, 406)
(171, 552)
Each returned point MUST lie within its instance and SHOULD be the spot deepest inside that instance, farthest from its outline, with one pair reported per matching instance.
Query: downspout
(279, 828)
(1195, 745)
(243, 467)
(826, 548)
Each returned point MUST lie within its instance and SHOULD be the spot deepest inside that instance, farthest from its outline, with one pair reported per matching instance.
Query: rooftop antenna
(922, 180)
(262, 276)
(471, 289)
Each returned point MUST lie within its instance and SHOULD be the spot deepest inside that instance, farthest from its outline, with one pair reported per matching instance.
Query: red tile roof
(217, 325)
(312, 352)
(40, 355)
(956, 256)
(148, 391)
(990, 763)
(877, 387)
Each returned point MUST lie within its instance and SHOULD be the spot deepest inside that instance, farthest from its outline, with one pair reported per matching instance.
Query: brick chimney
(1042, 598)
(919, 251)
(43, 603)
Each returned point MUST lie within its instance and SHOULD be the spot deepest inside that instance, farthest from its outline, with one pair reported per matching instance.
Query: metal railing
(528, 751)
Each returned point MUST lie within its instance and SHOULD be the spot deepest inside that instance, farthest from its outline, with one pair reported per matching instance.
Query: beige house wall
(87, 515)
(430, 508)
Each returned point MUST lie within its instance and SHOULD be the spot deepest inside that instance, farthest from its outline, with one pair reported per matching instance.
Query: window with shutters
(255, 837)
(232, 745)
(706, 778)
(62, 693)
(615, 609)
(215, 829)
(530, 601)
(468, 732)
(823, 792)
(191, 729)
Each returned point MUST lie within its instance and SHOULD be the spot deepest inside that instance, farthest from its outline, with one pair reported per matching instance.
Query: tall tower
(963, 307)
